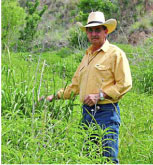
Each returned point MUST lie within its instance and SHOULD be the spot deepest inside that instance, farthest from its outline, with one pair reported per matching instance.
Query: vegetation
(47, 25)
(51, 133)
(12, 19)
(86, 6)
(32, 20)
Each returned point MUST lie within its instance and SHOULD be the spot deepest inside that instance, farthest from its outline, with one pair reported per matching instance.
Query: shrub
(87, 6)
(143, 24)
(32, 19)
(64, 52)
(77, 38)
(12, 19)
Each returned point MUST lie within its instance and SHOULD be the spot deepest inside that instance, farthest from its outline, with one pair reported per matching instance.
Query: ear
(106, 31)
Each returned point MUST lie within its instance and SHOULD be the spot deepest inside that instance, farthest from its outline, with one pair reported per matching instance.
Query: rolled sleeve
(122, 75)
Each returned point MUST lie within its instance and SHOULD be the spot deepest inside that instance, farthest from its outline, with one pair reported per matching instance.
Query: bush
(32, 19)
(12, 19)
(64, 52)
(77, 38)
(87, 6)
(143, 24)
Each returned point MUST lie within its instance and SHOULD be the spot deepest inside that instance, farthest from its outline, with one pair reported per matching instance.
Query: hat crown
(96, 16)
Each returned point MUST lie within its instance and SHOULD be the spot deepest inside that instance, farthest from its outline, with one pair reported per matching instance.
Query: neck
(97, 46)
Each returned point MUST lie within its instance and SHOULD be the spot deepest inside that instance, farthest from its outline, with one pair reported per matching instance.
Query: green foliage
(143, 24)
(141, 66)
(77, 38)
(136, 129)
(148, 43)
(32, 20)
(64, 52)
(87, 6)
(51, 133)
(12, 19)
(41, 132)
(143, 76)
(134, 14)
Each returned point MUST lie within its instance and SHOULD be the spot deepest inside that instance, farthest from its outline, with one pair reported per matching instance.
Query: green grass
(50, 133)
(136, 143)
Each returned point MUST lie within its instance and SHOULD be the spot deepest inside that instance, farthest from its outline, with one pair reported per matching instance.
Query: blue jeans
(107, 116)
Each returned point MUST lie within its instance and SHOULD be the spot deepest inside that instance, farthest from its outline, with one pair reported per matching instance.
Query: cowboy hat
(96, 19)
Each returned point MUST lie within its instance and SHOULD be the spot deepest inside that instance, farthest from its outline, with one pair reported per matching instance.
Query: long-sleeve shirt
(106, 69)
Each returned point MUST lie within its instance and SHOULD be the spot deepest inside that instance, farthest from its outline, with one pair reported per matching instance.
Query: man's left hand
(91, 99)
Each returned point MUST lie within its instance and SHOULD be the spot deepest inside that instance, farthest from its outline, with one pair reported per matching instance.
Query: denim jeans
(106, 116)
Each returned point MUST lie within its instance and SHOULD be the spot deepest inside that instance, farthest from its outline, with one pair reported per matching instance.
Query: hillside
(57, 28)
(131, 29)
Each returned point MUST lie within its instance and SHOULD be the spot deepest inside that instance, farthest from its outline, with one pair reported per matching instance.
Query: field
(51, 133)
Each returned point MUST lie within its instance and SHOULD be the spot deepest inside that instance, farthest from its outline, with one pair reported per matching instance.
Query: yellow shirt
(106, 69)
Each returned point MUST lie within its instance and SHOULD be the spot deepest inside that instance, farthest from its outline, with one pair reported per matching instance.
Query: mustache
(94, 37)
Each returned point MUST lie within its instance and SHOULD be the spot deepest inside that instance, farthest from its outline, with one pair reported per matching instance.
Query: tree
(86, 6)
(32, 20)
(12, 19)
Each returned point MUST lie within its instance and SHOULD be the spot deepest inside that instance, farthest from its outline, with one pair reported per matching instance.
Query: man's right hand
(48, 98)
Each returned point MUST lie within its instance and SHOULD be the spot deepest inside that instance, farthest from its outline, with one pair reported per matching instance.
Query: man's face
(96, 35)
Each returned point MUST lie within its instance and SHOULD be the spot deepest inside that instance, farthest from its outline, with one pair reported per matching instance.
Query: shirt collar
(104, 47)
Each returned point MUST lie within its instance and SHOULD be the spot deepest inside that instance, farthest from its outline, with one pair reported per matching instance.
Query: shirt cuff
(113, 93)
(60, 93)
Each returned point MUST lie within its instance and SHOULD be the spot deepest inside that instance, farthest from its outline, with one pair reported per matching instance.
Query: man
(101, 79)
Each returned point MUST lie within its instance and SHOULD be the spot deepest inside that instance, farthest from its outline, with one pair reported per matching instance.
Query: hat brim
(110, 24)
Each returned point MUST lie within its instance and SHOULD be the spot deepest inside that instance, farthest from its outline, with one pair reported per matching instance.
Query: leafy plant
(143, 24)
(77, 38)
(87, 6)
(12, 19)
(32, 19)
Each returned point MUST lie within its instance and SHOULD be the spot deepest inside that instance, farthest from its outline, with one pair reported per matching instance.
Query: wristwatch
(101, 95)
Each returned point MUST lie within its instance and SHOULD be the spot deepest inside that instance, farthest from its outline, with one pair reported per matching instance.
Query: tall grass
(51, 133)
(44, 132)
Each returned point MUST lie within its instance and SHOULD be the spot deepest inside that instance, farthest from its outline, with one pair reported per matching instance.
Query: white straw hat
(97, 18)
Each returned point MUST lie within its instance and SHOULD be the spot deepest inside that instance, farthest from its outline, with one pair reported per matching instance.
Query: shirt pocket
(102, 67)
(103, 71)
